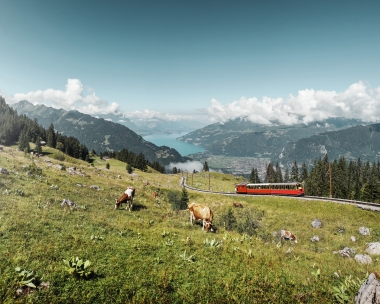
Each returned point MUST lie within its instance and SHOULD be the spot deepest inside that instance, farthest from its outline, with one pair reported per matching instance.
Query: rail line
(359, 204)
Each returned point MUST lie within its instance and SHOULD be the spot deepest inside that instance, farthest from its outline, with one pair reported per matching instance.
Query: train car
(286, 189)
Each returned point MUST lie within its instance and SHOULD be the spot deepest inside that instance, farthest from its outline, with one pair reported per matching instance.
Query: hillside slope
(96, 133)
(152, 254)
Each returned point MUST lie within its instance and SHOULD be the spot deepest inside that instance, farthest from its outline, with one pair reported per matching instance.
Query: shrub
(228, 220)
(249, 221)
(78, 268)
(177, 201)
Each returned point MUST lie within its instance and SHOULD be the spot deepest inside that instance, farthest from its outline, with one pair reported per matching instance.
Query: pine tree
(278, 174)
(270, 175)
(51, 137)
(304, 173)
(184, 199)
(205, 167)
(38, 145)
(254, 177)
(129, 169)
(286, 175)
(23, 141)
(294, 173)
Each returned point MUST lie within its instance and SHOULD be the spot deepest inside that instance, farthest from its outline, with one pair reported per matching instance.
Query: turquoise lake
(169, 140)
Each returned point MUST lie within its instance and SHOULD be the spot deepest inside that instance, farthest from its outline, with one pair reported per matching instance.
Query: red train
(287, 189)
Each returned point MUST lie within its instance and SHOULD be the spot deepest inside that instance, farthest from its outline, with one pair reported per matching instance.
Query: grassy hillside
(153, 254)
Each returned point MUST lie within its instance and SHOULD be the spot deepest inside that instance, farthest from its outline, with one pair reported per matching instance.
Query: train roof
(269, 184)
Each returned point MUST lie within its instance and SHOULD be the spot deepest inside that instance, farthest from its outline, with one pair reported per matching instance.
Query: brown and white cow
(127, 197)
(155, 194)
(201, 212)
(287, 235)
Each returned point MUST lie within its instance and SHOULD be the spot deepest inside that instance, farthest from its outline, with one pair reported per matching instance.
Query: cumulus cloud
(358, 101)
(72, 98)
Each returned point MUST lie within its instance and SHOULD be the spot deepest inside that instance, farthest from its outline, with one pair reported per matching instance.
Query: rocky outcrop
(370, 291)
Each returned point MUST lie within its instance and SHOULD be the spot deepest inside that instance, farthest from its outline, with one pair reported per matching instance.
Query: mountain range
(285, 144)
(97, 133)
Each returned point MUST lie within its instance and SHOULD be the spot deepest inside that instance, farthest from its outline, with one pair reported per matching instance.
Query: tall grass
(153, 254)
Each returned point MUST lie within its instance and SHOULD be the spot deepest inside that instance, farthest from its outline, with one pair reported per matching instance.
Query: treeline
(20, 129)
(355, 180)
(136, 161)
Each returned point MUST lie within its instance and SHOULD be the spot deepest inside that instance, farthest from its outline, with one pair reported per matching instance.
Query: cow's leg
(191, 217)
(117, 203)
(203, 224)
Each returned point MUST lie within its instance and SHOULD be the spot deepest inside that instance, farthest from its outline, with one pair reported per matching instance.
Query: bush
(228, 220)
(176, 201)
(249, 221)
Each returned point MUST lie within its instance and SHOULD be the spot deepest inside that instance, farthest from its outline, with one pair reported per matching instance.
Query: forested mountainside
(98, 134)
(223, 138)
(352, 143)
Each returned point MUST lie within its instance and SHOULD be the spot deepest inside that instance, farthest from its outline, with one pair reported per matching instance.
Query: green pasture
(153, 254)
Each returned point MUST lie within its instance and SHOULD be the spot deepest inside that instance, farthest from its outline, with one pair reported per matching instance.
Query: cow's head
(209, 227)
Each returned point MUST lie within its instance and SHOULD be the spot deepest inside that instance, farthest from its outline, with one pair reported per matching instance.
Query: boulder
(369, 292)
(347, 252)
(373, 248)
(315, 238)
(364, 231)
(3, 171)
(363, 258)
(316, 223)
(353, 239)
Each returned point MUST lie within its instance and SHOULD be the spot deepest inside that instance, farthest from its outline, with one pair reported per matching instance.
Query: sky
(290, 61)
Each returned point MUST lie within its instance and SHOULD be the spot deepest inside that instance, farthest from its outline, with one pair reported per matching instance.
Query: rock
(364, 231)
(363, 258)
(373, 248)
(353, 239)
(316, 223)
(369, 292)
(315, 238)
(3, 171)
(95, 187)
(347, 252)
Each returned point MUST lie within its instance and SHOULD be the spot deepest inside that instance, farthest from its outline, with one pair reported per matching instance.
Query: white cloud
(151, 115)
(188, 166)
(73, 98)
(357, 101)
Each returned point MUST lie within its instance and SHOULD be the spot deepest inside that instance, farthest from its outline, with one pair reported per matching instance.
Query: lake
(169, 140)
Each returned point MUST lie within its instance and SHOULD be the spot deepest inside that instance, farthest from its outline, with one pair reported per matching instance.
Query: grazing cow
(201, 212)
(155, 194)
(287, 235)
(238, 205)
(127, 197)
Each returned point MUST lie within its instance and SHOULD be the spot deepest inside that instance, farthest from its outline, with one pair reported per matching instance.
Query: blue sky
(220, 59)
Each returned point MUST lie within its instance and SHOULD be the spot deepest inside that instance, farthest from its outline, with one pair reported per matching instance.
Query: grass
(153, 254)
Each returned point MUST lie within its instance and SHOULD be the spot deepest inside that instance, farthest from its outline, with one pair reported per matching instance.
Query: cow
(127, 197)
(287, 235)
(155, 194)
(238, 205)
(201, 212)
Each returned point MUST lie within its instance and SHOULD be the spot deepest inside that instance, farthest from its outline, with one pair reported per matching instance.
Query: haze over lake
(170, 140)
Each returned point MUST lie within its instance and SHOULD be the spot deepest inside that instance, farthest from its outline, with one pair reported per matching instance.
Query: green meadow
(153, 254)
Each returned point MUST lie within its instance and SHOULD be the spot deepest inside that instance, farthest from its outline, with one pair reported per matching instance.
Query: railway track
(359, 204)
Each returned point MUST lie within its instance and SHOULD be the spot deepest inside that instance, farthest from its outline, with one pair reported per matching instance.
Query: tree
(286, 175)
(205, 167)
(278, 174)
(107, 165)
(51, 137)
(175, 171)
(254, 177)
(294, 173)
(270, 175)
(184, 199)
(38, 145)
(304, 173)
(129, 169)
(23, 141)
